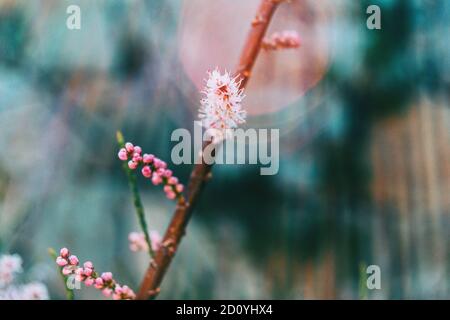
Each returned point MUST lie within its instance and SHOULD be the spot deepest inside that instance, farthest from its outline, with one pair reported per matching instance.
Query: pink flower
(116, 296)
(67, 270)
(64, 253)
(129, 147)
(171, 195)
(285, 40)
(159, 163)
(80, 277)
(179, 187)
(88, 272)
(73, 260)
(123, 154)
(89, 282)
(148, 158)
(107, 292)
(221, 107)
(156, 240)
(137, 241)
(61, 262)
(146, 171)
(107, 276)
(156, 179)
(132, 165)
(137, 157)
(167, 173)
(152, 168)
(79, 271)
(99, 283)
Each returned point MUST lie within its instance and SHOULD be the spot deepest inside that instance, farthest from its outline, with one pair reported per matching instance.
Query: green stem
(132, 181)
(69, 292)
(363, 294)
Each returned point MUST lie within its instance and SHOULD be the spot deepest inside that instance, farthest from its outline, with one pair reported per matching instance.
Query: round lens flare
(212, 33)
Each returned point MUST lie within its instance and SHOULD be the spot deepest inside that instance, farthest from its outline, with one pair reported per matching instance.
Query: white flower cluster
(221, 107)
(10, 267)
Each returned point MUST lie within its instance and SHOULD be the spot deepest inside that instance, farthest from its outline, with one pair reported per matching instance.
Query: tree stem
(201, 172)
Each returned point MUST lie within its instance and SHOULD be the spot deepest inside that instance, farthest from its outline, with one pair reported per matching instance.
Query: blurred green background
(364, 174)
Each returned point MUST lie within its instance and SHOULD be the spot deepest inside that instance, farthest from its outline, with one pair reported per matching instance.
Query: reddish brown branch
(176, 229)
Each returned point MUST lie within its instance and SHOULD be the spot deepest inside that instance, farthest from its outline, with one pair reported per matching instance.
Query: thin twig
(69, 292)
(132, 181)
(176, 229)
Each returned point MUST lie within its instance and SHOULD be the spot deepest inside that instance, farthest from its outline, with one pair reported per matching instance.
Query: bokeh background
(364, 151)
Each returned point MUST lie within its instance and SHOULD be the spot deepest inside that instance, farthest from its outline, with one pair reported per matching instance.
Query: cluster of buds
(105, 282)
(138, 242)
(281, 40)
(152, 168)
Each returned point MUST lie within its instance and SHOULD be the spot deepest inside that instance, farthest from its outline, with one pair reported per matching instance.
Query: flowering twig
(136, 198)
(69, 292)
(69, 266)
(201, 172)
(286, 39)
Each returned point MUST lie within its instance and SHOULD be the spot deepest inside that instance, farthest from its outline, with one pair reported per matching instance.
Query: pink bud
(107, 276)
(99, 283)
(179, 188)
(167, 173)
(173, 180)
(79, 271)
(167, 188)
(122, 154)
(157, 162)
(87, 272)
(88, 264)
(148, 158)
(67, 270)
(118, 289)
(89, 282)
(146, 171)
(129, 146)
(137, 157)
(64, 252)
(137, 149)
(116, 296)
(171, 195)
(133, 236)
(107, 292)
(79, 278)
(61, 262)
(156, 240)
(156, 179)
(132, 165)
(73, 260)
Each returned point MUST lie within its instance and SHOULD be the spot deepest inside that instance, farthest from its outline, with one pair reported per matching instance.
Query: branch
(136, 198)
(69, 292)
(201, 172)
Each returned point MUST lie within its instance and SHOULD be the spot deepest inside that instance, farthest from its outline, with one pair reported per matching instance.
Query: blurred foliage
(63, 95)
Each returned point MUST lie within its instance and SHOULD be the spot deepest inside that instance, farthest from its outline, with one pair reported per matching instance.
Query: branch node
(168, 243)
(154, 293)
(258, 20)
